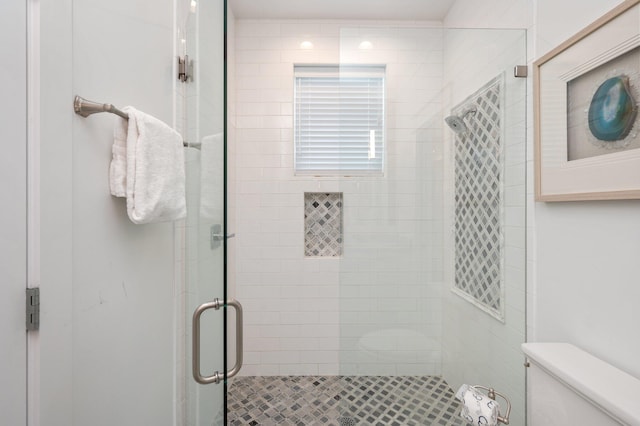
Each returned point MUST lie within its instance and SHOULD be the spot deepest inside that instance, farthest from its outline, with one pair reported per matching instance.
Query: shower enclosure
(382, 287)
(384, 281)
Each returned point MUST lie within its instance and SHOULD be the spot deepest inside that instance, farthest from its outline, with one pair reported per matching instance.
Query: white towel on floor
(154, 181)
(212, 177)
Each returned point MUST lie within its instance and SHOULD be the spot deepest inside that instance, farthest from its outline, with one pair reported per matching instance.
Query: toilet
(568, 386)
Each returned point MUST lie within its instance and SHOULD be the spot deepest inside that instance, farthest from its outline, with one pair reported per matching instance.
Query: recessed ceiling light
(365, 45)
(306, 45)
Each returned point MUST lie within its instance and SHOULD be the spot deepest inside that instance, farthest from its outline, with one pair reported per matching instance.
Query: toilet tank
(568, 386)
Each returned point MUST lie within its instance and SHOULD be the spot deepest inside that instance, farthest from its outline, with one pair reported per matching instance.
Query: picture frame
(586, 113)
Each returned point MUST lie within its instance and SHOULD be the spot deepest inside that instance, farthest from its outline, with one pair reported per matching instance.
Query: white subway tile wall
(318, 315)
(476, 347)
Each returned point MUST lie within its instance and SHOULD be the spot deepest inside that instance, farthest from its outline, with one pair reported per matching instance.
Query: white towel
(154, 182)
(211, 177)
(477, 408)
(118, 168)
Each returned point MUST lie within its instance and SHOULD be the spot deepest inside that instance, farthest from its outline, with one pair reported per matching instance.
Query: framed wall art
(587, 123)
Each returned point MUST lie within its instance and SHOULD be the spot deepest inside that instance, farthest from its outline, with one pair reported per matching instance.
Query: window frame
(337, 71)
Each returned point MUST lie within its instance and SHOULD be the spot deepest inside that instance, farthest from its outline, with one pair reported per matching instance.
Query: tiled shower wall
(478, 163)
(376, 309)
(478, 348)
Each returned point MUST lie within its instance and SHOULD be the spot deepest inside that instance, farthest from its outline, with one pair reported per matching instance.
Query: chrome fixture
(217, 377)
(491, 393)
(520, 71)
(85, 108)
(216, 237)
(456, 123)
(185, 69)
(33, 309)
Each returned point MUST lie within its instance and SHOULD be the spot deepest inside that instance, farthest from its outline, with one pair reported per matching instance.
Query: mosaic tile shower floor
(342, 401)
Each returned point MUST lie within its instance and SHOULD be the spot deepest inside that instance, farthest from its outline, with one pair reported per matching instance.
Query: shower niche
(323, 233)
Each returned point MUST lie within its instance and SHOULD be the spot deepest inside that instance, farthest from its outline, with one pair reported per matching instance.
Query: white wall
(13, 226)
(581, 267)
(584, 289)
(586, 284)
(578, 291)
(107, 355)
(56, 214)
(300, 311)
(490, 14)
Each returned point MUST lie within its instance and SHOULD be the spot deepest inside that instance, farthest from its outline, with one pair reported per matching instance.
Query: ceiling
(413, 10)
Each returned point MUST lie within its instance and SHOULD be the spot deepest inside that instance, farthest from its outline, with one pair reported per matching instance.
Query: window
(339, 120)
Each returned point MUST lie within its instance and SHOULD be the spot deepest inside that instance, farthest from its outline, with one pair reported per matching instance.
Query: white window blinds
(339, 120)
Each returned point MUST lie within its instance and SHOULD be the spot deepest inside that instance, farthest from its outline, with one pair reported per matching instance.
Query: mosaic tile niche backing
(478, 200)
(323, 233)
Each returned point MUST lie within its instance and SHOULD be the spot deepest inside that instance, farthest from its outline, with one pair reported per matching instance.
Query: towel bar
(491, 393)
(85, 108)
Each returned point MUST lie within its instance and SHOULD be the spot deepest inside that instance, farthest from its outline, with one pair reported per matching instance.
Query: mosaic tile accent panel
(323, 224)
(342, 401)
(478, 200)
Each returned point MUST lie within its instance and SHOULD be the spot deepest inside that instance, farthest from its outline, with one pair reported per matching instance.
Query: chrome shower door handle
(217, 377)
(239, 336)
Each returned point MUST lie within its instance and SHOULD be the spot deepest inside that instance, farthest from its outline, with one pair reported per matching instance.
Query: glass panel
(448, 214)
(391, 275)
(347, 281)
(203, 95)
(485, 173)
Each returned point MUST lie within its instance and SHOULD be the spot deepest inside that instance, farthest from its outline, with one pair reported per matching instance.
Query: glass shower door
(202, 45)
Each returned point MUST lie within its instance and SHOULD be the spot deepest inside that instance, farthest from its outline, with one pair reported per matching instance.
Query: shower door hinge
(33, 309)
(520, 71)
(185, 69)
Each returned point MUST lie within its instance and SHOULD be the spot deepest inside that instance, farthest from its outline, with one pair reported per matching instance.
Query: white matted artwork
(478, 204)
(586, 125)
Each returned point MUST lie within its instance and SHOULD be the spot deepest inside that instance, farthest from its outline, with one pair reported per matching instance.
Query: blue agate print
(612, 111)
